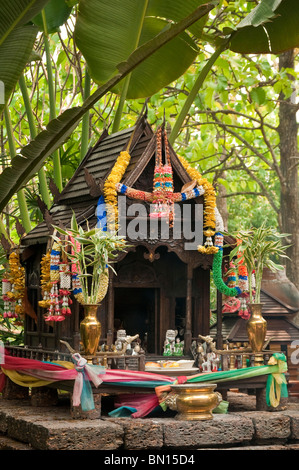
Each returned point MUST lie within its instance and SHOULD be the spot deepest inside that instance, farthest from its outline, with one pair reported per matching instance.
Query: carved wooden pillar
(188, 331)
(110, 322)
(76, 331)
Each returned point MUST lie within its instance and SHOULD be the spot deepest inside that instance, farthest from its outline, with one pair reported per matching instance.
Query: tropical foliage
(91, 252)
(259, 248)
(222, 101)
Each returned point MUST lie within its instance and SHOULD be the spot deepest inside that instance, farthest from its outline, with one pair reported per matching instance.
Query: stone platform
(27, 427)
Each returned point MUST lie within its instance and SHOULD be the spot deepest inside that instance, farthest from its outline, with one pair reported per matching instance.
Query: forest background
(230, 104)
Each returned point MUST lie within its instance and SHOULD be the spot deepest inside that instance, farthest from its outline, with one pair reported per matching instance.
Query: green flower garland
(217, 270)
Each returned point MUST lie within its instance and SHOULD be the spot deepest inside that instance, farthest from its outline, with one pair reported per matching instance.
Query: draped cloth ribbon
(34, 373)
(276, 383)
(82, 391)
(276, 387)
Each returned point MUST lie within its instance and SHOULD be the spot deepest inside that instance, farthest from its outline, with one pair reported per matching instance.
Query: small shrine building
(162, 281)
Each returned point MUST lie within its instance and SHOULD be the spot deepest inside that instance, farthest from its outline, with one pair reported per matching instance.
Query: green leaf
(271, 27)
(260, 14)
(16, 41)
(17, 13)
(15, 52)
(106, 34)
(56, 12)
(258, 95)
(74, 225)
(24, 166)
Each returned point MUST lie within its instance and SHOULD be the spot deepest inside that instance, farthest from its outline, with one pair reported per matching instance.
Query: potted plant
(258, 248)
(90, 253)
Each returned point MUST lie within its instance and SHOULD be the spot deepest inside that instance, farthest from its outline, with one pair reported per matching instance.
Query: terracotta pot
(196, 401)
(90, 330)
(256, 328)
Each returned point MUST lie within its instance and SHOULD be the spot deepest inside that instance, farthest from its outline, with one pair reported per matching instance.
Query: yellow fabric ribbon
(25, 380)
(277, 380)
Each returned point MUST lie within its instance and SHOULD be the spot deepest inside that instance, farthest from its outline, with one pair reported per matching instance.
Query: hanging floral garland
(13, 287)
(58, 300)
(231, 289)
(45, 282)
(209, 207)
(149, 197)
(76, 283)
(162, 196)
(110, 192)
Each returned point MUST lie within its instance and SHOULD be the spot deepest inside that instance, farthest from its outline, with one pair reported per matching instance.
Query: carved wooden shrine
(159, 285)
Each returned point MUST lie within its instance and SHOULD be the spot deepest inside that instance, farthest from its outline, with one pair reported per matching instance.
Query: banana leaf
(271, 27)
(17, 13)
(24, 166)
(107, 30)
(15, 52)
(56, 12)
(16, 40)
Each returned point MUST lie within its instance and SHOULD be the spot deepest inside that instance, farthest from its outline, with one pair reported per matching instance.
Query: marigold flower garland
(209, 207)
(110, 192)
(45, 282)
(13, 287)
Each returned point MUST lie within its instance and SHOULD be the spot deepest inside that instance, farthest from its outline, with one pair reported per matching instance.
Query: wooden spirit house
(162, 282)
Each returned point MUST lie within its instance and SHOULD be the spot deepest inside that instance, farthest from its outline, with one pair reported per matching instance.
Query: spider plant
(97, 250)
(259, 247)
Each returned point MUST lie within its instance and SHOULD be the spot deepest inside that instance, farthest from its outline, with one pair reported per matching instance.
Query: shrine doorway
(136, 310)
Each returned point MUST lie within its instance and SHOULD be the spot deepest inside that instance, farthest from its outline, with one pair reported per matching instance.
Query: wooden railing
(38, 354)
(126, 362)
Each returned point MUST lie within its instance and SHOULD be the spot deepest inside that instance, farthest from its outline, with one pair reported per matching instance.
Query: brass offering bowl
(195, 401)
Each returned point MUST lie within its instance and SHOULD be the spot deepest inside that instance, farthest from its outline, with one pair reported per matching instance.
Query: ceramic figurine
(169, 342)
(178, 347)
(121, 337)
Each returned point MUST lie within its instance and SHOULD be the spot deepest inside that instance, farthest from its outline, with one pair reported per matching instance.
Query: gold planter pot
(196, 401)
(90, 330)
(256, 328)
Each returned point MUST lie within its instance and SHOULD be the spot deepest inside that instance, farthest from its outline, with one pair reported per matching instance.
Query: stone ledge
(222, 430)
(270, 427)
(52, 428)
(6, 443)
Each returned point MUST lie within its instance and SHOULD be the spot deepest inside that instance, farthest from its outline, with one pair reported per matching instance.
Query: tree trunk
(289, 199)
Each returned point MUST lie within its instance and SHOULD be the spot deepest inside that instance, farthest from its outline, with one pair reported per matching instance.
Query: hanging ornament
(158, 182)
(6, 287)
(56, 298)
(244, 311)
(13, 287)
(65, 289)
(162, 196)
(76, 283)
(45, 283)
(168, 181)
(235, 290)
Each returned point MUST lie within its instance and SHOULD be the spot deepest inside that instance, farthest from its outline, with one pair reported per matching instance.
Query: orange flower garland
(45, 283)
(14, 293)
(110, 192)
(209, 207)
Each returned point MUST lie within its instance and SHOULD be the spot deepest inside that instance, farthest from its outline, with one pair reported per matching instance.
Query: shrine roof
(100, 159)
(82, 192)
(278, 314)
